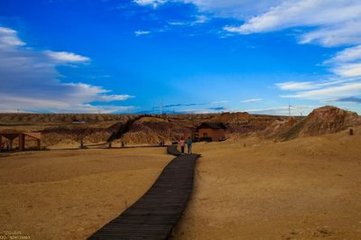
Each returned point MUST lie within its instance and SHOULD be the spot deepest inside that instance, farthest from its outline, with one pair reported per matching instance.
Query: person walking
(189, 145)
(182, 144)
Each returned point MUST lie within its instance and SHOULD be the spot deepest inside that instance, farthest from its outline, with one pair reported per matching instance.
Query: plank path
(157, 212)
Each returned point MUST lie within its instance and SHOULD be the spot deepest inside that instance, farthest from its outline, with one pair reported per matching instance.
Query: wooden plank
(157, 212)
(36, 135)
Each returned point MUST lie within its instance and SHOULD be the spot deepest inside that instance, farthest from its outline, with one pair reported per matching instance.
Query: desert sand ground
(70, 194)
(308, 188)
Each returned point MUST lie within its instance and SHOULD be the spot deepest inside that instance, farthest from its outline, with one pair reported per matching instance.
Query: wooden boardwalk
(156, 213)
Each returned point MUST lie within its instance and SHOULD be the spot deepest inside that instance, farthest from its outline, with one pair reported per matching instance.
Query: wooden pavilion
(7, 138)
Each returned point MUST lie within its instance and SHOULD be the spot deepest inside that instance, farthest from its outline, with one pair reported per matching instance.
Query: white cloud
(140, 33)
(9, 38)
(219, 102)
(328, 22)
(348, 70)
(30, 81)
(295, 85)
(200, 19)
(11, 103)
(302, 13)
(347, 55)
(66, 57)
(239, 9)
(344, 33)
(226, 8)
(332, 92)
(197, 20)
(153, 3)
(252, 100)
(327, 90)
(177, 23)
(346, 63)
(336, 22)
(301, 86)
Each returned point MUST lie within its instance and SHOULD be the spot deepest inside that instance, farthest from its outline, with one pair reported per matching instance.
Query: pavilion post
(21, 142)
(11, 144)
(38, 143)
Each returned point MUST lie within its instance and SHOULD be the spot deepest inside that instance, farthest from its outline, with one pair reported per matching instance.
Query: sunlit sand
(70, 194)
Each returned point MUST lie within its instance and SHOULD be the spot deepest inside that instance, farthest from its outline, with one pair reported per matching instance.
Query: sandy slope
(307, 188)
(70, 194)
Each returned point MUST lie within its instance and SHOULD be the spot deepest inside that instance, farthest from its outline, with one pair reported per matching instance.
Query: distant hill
(150, 129)
(34, 118)
(324, 120)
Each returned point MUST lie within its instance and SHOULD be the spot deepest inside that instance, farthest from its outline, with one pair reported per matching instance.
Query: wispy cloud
(66, 57)
(182, 105)
(347, 55)
(302, 86)
(252, 100)
(30, 81)
(329, 23)
(219, 102)
(194, 21)
(217, 109)
(233, 8)
(200, 19)
(9, 38)
(336, 35)
(294, 86)
(346, 63)
(348, 70)
(331, 92)
(337, 22)
(178, 23)
(141, 33)
(153, 3)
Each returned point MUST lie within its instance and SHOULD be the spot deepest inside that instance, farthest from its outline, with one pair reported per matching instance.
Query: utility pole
(289, 108)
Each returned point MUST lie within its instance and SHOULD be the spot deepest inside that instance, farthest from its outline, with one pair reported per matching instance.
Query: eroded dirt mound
(279, 127)
(152, 130)
(322, 120)
(65, 128)
(57, 135)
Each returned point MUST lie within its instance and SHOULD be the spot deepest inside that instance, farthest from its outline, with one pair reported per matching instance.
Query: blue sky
(131, 56)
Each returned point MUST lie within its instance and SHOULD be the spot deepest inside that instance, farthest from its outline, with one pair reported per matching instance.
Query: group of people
(187, 142)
